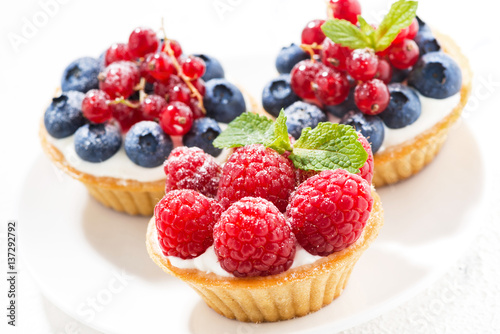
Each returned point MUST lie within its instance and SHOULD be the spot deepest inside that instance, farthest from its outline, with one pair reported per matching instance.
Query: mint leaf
(250, 128)
(329, 146)
(400, 16)
(346, 34)
(367, 29)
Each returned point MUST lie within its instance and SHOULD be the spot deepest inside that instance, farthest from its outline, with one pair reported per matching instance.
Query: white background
(465, 300)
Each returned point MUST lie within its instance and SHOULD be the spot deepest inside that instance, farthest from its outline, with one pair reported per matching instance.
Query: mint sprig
(345, 33)
(328, 146)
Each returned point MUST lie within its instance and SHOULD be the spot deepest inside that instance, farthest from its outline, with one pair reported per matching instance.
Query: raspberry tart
(117, 118)
(274, 243)
(400, 83)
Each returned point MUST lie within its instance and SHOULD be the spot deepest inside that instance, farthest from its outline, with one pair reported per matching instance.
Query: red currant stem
(309, 48)
(168, 49)
(121, 100)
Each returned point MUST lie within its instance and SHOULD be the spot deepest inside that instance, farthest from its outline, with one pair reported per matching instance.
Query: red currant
(403, 55)
(302, 76)
(412, 29)
(126, 115)
(194, 104)
(142, 41)
(119, 79)
(362, 64)
(163, 88)
(345, 9)
(334, 55)
(176, 119)
(384, 71)
(151, 106)
(331, 87)
(181, 93)
(371, 97)
(160, 66)
(199, 84)
(117, 52)
(95, 106)
(193, 67)
(175, 46)
(312, 33)
(143, 68)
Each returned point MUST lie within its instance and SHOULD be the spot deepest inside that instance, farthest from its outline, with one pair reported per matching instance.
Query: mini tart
(399, 162)
(294, 293)
(129, 196)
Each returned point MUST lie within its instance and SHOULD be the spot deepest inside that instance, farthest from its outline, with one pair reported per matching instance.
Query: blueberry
(301, 115)
(421, 23)
(81, 75)
(341, 109)
(64, 115)
(202, 135)
(223, 100)
(288, 57)
(102, 61)
(98, 142)
(399, 75)
(147, 145)
(371, 127)
(436, 75)
(213, 69)
(404, 107)
(426, 41)
(278, 94)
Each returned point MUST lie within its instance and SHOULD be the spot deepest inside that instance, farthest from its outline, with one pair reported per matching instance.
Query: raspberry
(366, 172)
(252, 238)
(257, 171)
(191, 168)
(329, 211)
(185, 220)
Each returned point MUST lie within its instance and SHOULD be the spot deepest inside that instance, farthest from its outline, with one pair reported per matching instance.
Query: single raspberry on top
(257, 171)
(184, 221)
(366, 172)
(191, 168)
(252, 238)
(329, 211)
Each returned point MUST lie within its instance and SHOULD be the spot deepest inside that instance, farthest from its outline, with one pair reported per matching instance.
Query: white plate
(92, 262)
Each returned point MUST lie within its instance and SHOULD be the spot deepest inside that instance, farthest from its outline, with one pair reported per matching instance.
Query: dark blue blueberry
(213, 69)
(64, 115)
(371, 127)
(404, 107)
(147, 145)
(426, 41)
(223, 100)
(288, 57)
(98, 142)
(278, 94)
(436, 75)
(421, 23)
(202, 135)
(81, 75)
(399, 75)
(149, 88)
(301, 115)
(101, 59)
(341, 109)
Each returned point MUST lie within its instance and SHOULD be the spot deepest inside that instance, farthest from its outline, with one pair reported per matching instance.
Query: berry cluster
(254, 212)
(360, 86)
(145, 90)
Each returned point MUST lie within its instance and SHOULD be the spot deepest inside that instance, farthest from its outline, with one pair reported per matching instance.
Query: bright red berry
(160, 66)
(175, 46)
(119, 79)
(193, 67)
(151, 106)
(176, 119)
(191, 168)
(185, 220)
(384, 71)
(328, 211)
(366, 172)
(403, 55)
(372, 97)
(257, 171)
(181, 93)
(312, 33)
(331, 87)
(302, 76)
(117, 52)
(334, 55)
(362, 64)
(95, 106)
(126, 115)
(252, 238)
(194, 104)
(142, 41)
(163, 88)
(199, 84)
(345, 9)
(302, 175)
(413, 29)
